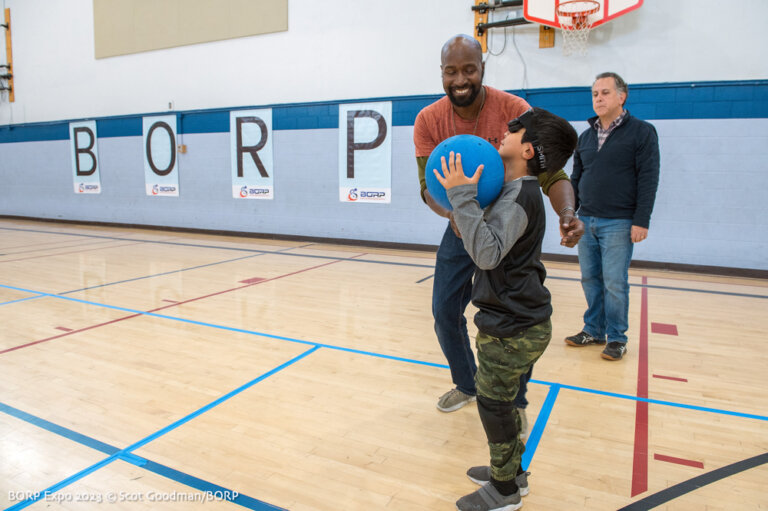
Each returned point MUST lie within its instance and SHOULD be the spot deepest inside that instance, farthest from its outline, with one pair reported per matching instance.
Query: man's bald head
(464, 43)
(461, 63)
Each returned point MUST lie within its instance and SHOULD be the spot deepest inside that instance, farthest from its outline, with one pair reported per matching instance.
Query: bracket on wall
(482, 8)
(8, 77)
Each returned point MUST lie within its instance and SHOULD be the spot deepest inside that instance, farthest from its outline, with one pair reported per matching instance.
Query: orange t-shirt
(438, 121)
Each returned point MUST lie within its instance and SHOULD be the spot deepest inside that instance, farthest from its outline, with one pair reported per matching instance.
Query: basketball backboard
(545, 11)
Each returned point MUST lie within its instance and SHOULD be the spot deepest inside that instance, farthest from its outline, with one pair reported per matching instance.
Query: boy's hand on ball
(453, 172)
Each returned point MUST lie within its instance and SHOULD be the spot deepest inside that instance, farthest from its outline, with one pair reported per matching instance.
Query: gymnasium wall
(707, 96)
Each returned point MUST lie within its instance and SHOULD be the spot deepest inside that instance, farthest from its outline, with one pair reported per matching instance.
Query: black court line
(139, 461)
(158, 274)
(150, 276)
(169, 272)
(370, 261)
(697, 482)
(126, 454)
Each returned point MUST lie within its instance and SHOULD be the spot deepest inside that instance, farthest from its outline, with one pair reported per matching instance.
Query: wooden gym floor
(159, 370)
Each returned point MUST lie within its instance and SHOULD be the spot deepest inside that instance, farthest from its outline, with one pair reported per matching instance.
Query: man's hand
(638, 234)
(454, 172)
(571, 229)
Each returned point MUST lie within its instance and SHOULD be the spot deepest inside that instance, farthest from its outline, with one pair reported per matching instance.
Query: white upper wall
(344, 49)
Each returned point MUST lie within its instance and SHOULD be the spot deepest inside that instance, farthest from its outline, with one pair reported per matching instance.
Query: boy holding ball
(513, 319)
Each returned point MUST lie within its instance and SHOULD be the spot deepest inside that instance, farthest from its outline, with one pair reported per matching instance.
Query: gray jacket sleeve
(488, 236)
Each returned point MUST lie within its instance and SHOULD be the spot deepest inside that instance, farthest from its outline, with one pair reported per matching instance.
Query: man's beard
(475, 91)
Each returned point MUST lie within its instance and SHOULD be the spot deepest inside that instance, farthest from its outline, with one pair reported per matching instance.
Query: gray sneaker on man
(487, 498)
(482, 475)
(453, 400)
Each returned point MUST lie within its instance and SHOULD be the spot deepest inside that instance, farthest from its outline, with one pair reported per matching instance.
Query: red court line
(663, 328)
(669, 378)
(253, 280)
(640, 458)
(73, 252)
(679, 461)
(63, 329)
(33, 343)
(170, 301)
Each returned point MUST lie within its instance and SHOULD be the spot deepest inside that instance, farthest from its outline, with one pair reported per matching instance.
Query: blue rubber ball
(474, 152)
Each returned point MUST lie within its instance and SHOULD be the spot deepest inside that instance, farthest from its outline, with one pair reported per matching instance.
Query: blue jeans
(451, 292)
(605, 252)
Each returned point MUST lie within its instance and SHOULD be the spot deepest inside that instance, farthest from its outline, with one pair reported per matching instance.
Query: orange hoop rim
(580, 14)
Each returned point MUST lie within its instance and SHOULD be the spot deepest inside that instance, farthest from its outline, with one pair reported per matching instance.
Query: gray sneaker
(523, 424)
(482, 475)
(453, 400)
(487, 498)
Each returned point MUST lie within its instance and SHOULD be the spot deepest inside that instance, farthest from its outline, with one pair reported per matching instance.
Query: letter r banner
(250, 140)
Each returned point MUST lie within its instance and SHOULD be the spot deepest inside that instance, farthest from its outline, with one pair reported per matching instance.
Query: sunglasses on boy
(526, 121)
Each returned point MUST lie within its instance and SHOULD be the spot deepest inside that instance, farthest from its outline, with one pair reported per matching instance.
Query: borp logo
(352, 194)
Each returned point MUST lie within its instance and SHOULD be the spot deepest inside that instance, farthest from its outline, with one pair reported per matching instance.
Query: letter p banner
(353, 146)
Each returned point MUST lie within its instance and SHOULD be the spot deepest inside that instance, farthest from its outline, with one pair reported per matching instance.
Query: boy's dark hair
(554, 139)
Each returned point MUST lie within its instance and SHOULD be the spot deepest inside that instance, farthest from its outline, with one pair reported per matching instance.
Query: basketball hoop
(576, 18)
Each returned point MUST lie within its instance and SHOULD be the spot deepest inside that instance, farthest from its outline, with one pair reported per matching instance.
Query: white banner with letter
(161, 175)
(83, 139)
(250, 134)
(365, 152)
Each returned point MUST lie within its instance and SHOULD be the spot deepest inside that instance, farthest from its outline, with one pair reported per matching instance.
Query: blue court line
(157, 468)
(656, 401)
(538, 429)
(391, 357)
(425, 278)
(123, 453)
(22, 299)
(234, 329)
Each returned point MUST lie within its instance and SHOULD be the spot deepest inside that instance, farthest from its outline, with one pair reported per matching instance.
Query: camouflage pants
(500, 364)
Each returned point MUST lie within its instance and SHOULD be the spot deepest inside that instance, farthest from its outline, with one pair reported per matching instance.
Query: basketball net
(576, 19)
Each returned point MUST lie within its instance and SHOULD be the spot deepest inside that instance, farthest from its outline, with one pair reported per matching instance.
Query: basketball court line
(388, 357)
(137, 313)
(678, 461)
(141, 462)
(67, 253)
(162, 274)
(533, 441)
(541, 423)
(54, 248)
(146, 276)
(125, 453)
(640, 422)
(680, 489)
(373, 261)
(640, 451)
(20, 300)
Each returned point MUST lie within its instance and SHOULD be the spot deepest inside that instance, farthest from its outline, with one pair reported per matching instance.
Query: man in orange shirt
(471, 108)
